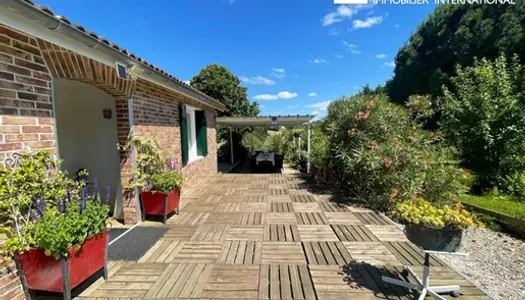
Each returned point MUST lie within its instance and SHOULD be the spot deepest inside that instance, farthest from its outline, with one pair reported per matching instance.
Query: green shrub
(166, 181)
(275, 143)
(483, 116)
(252, 141)
(383, 156)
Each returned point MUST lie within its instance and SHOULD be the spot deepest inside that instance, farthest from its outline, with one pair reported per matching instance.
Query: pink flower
(394, 193)
(362, 116)
(370, 105)
(386, 163)
(374, 145)
(352, 131)
(413, 197)
(410, 103)
(412, 138)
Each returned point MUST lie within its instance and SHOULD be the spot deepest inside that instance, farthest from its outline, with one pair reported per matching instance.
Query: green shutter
(184, 134)
(201, 131)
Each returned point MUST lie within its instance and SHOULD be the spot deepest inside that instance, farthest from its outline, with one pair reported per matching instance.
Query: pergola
(267, 121)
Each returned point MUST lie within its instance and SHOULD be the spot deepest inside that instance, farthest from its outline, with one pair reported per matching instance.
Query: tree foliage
(452, 35)
(484, 117)
(218, 82)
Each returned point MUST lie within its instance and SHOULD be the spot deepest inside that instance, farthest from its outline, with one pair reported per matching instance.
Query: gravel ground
(496, 262)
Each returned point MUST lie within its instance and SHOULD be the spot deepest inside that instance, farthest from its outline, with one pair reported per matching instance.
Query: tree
(218, 82)
(484, 118)
(452, 35)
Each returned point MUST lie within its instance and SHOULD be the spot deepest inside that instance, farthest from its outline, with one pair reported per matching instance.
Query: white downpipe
(231, 145)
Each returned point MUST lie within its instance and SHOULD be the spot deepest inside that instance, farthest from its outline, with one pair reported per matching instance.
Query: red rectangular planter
(153, 202)
(44, 273)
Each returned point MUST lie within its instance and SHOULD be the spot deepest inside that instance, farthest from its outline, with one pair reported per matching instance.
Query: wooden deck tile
(354, 233)
(200, 207)
(283, 253)
(326, 253)
(371, 218)
(241, 252)
(280, 218)
(255, 198)
(253, 207)
(227, 207)
(346, 218)
(302, 198)
(306, 207)
(197, 252)
(232, 282)
(314, 218)
(231, 198)
(373, 253)
(278, 192)
(211, 232)
(189, 218)
(410, 255)
(181, 281)
(163, 251)
(333, 207)
(258, 186)
(388, 233)
(285, 282)
(246, 233)
(281, 207)
(222, 218)
(331, 283)
(250, 218)
(316, 233)
(283, 198)
(281, 233)
(257, 192)
(180, 232)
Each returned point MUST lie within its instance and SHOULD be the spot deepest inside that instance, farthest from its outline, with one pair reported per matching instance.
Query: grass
(499, 204)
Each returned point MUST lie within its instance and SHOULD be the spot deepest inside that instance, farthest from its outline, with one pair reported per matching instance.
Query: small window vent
(122, 71)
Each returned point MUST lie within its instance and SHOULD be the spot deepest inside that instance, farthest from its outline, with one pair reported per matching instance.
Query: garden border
(514, 225)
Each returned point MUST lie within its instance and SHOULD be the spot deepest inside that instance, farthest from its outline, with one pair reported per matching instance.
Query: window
(193, 134)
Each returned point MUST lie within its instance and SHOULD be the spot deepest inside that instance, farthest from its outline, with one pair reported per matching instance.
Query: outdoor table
(265, 156)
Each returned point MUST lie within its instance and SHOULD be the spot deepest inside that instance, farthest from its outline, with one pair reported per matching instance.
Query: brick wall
(27, 67)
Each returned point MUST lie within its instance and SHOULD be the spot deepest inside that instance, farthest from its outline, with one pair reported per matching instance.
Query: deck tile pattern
(269, 236)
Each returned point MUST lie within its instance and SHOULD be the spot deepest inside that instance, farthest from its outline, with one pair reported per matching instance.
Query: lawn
(500, 204)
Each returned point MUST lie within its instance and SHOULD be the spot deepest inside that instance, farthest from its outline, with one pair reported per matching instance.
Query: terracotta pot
(44, 273)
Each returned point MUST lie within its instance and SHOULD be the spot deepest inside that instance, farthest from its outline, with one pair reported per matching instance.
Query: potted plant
(56, 231)
(156, 177)
(431, 227)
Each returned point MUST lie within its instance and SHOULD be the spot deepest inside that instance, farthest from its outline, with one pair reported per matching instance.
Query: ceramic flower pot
(432, 238)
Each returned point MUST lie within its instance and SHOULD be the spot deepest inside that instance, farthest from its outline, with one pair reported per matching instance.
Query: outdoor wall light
(136, 70)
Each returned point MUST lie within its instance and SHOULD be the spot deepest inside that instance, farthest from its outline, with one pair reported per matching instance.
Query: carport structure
(267, 122)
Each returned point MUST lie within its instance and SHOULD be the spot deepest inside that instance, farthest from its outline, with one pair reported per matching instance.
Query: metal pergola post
(308, 149)
(231, 145)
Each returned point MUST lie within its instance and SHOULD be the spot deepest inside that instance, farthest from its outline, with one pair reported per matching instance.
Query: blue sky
(294, 56)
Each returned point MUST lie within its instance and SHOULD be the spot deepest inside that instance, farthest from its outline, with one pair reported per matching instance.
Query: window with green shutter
(201, 132)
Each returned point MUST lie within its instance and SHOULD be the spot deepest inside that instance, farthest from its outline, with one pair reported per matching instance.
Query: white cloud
(257, 80)
(351, 47)
(312, 94)
(381, 56)
(279, 73)
(338, 56)
(391, 64)
(369, 22)
(319, 61)
(280, 95)
(315, 112)
(343, 12)
(334, 31)
(319, 105)
(397, 26)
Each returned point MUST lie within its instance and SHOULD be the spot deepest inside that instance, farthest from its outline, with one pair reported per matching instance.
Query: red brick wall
(27, 67)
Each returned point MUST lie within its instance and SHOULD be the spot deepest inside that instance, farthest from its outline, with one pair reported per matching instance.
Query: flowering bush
(41, 208)
(154, 170)
(383, 156)
(422, 212)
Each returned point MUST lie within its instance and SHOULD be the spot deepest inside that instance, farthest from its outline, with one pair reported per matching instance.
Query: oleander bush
(380, 152)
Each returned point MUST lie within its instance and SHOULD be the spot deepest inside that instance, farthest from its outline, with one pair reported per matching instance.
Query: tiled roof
(141, 60)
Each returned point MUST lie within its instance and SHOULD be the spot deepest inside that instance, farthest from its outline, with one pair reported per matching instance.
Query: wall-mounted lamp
(136, 70)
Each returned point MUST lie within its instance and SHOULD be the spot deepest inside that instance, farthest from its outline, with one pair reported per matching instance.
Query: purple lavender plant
(83, 198)
(172, 164)
(39, 206)
(108, 195)
(62, 205)
(32, 214)
(68, 194)
(95, 191)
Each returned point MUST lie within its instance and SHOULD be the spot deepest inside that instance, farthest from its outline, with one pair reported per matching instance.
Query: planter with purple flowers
(56, 229)
(157, 177)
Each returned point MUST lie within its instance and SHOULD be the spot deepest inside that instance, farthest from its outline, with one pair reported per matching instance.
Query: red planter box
(44, 273)
(153, 202)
